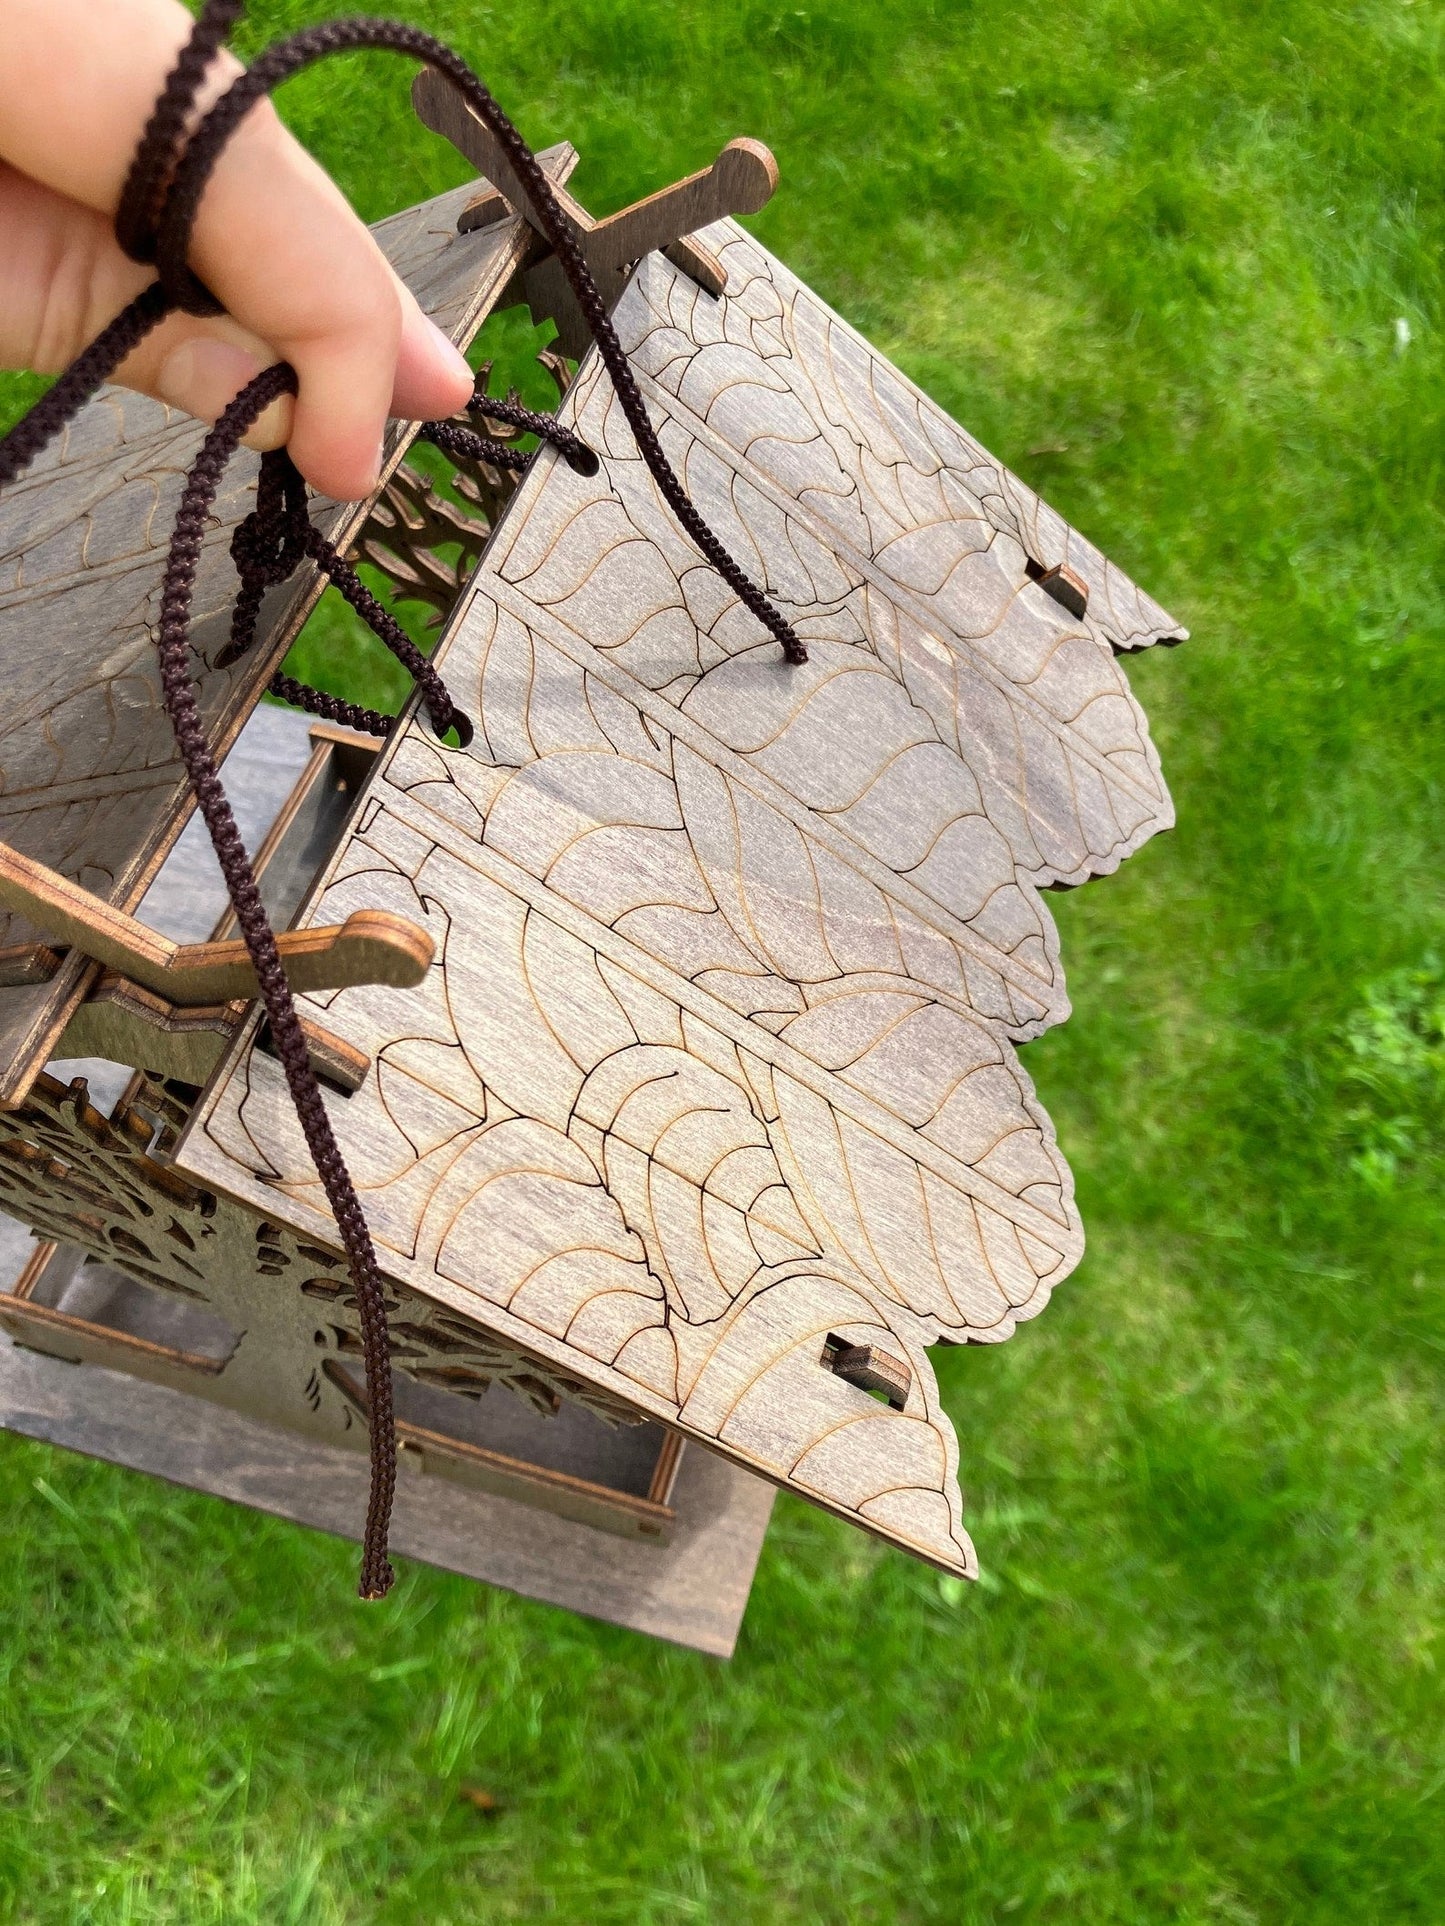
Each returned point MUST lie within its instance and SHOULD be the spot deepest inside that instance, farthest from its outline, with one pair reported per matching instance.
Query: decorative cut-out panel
(714, 1082)
(81, 1178)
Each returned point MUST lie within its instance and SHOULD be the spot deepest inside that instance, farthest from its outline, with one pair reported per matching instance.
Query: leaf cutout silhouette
(1080, 788)
(644, 832)
(829, 419)
(703, 874)
(757, 1392)
(880, 527)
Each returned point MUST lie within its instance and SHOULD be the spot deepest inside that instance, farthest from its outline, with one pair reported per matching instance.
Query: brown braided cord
(179, 694)
(444, 713)
(464, 444)
(163, 144)
(82, 378)
(151, 173)
(162, 196)
(269, 545)
(571, 446)
(316, 702)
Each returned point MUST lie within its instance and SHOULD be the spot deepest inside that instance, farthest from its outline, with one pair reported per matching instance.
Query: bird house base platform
(691, 1590)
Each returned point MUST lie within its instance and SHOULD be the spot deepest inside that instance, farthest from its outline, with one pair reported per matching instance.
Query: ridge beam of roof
(740, 181)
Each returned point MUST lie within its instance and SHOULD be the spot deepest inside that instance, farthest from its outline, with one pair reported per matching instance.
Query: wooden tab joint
(1066, 586)
(870, 1368)
(740, 181)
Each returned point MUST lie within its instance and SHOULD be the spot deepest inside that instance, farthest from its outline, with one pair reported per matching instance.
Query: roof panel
(715, 1071)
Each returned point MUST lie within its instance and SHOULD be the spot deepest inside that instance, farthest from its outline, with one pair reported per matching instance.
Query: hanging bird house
(669, 1028)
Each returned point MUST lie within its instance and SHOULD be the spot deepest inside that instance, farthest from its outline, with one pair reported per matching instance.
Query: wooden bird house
(706, 1120)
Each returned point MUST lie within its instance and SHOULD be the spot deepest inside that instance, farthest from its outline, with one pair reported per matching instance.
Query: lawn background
(1178, 265)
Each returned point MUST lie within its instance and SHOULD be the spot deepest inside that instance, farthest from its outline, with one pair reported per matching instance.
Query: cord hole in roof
(462, 732)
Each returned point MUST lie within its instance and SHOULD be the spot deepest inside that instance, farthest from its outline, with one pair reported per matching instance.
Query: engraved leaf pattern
(841, 428)
(649, 838)
(616, 1186)
(878, 550)
(715, 1067)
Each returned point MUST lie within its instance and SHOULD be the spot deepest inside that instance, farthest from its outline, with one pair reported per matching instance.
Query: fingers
(66, 277)
(299, 275)
(427, 369)
(201, 366)
(80, 80)
(277, 243)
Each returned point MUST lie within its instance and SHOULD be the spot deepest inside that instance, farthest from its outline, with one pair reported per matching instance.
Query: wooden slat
(121, 1023)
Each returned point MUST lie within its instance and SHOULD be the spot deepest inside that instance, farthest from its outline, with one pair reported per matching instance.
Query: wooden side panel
(76, 1177)
(90, 783)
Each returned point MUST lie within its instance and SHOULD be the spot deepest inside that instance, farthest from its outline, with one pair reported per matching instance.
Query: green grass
(1178, 264)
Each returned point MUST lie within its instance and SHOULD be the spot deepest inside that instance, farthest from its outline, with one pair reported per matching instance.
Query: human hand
(275, 241)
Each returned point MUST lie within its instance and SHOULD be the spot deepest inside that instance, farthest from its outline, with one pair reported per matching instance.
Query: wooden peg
(371, 946)
(1062, 583)
(870, 1368)
(740, 181)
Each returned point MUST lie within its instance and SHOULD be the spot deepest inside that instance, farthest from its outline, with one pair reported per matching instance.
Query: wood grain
(709, 1109)
(120, 1022)
(77, 1177)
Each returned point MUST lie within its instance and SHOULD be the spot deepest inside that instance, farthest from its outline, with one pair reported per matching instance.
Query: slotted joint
(1062, 584)
(870, 1368)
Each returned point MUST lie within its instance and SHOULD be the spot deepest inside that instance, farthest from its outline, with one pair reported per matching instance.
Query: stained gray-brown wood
(691, 1590)
(90, 783)
(134, 1300)
(70, 1305)
(714, 1079)
(79, 1177)
(709, 1111)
